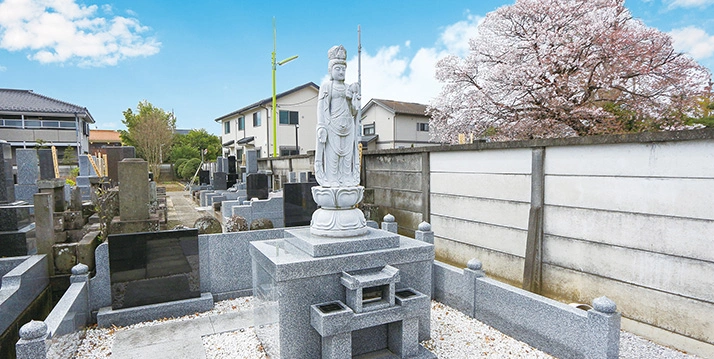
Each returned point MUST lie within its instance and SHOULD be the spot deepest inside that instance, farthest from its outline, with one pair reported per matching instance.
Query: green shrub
(189, 168)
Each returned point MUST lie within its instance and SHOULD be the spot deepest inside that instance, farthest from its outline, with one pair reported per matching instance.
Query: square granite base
(287, 281)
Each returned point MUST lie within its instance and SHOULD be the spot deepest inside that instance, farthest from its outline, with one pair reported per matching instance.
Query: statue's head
(337, 56)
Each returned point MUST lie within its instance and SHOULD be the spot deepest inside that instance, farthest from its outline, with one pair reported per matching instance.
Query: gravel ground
(454, 336)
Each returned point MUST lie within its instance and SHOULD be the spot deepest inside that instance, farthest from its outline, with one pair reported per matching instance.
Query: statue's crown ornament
(337, 53)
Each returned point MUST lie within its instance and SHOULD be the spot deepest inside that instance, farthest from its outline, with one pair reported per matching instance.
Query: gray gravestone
(28, 166)
(251, 161)
(220, 181)
(133, 189)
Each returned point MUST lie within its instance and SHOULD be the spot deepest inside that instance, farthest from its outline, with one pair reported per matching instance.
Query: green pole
(275, 125)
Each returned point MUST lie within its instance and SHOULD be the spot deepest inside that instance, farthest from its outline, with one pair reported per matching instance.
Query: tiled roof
(104, 136)
(12, 100)
(399, 107)
(268, 100)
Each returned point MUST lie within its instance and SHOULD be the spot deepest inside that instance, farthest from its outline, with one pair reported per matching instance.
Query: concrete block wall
(399, 184)
(623, 216)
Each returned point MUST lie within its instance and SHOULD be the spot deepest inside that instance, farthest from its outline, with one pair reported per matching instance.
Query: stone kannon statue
(337, 167)
(337, 154)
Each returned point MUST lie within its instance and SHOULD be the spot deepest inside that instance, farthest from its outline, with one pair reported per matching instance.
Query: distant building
(182, 131)
(394, 124)
(251, 126)
(103, 138)
(28, 119)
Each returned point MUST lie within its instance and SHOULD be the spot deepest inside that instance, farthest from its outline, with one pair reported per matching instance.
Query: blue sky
(205, 59)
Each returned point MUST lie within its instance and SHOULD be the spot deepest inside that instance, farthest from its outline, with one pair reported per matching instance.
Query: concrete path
(182, 208)
(177, 340)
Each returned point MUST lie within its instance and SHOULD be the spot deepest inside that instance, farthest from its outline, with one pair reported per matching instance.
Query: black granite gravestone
(232, 179)
(153, 267)
(47, 166)
(257, 185)
(204, 177)
(231, 164)
(220, 181)
(298, 204)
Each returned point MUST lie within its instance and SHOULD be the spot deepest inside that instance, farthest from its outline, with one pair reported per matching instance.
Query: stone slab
(28, 166)
(46, 164)
(18, 243)
(106, 317)
(317, 246)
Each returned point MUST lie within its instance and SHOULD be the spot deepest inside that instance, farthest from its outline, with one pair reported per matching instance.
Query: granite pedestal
(296, 275)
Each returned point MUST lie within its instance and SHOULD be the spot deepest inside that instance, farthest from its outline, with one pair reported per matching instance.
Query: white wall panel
(662, 159)
(504, 213)
(502, 239)
(664, 196)
(677, 275)
(676, 236)
(507, 187)
(516, 160)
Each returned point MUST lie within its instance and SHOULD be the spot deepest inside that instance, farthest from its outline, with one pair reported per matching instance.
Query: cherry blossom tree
(555, 68)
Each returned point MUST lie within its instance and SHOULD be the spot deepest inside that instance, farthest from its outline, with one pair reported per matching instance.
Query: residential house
(252, 127)
(28, 119)
(394, 124)
(103, 138)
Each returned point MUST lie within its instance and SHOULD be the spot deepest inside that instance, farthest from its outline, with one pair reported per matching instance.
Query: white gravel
(453, 336)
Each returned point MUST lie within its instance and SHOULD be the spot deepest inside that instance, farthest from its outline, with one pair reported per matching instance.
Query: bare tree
(553, 68)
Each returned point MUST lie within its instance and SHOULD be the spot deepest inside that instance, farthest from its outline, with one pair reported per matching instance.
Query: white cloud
(456, 36)
(693, 41)
(389, 74)
(3, 68)
(689, 3)
(62, 31)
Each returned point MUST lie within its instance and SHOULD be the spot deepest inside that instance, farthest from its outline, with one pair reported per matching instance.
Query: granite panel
(28, 166)
(204, 177)
(31, 278)
(225, 260)
(318, 246)
(257, 185)
(220, 180)
(232, 164)
(46, 164)
(18, 243)
(148, 268)
(133, 189)
(298, 204)
(100, 287)
(106, 317)
(251, 161)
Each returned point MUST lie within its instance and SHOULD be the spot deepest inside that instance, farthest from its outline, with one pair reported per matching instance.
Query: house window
(289, 117)
(241, 123)
(227, 127)
(368, 130)
(288, 151)
(423, 126)
(256, 119)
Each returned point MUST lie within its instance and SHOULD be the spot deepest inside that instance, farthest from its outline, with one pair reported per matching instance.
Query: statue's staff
(358, 119)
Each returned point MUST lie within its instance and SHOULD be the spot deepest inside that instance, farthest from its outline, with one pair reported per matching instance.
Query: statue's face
(338, 72)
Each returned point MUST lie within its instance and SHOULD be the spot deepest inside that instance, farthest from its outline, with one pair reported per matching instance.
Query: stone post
(44, 227)
(133, 189)
(33, 341)
(472, 272)
(424, 233)
(389, 224)
(80, 274)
